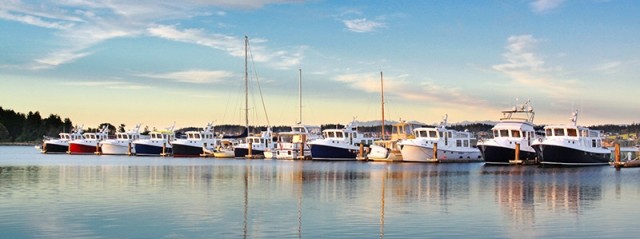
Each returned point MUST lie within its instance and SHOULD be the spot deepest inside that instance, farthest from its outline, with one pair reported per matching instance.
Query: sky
(160, 62)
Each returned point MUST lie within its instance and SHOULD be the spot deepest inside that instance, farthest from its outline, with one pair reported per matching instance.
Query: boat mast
(382, 96)
(300, 95)
(246, 83)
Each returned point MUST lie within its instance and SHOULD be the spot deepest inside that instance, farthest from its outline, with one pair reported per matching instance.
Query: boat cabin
(573, 134)
(345, 136)
(161, 135)
(127, 136)
(444, 136)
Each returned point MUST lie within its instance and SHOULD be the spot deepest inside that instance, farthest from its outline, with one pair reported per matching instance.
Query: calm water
(67, 196)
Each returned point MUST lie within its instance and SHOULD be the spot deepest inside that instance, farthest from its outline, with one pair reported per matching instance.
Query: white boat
(223, 149)
(571, 145)
(389, 150)
(515, 128)
(259, 144)
(122, 144)
(340, 144)
(158, 144)
(89, 143)
(449, 145)
(60, 144)
(289, 144)
(195, 143)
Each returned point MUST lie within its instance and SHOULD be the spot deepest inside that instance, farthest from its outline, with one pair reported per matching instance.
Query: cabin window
(330, 135)
(558, 132)
(433, 134)
(572, 132)
(466, 143)
(504, 133)
(496, 134)
(515, 133)
(339, 135)
(458, 143)
(449, 134)
(584, 133)
(547, 132)
(594, 143)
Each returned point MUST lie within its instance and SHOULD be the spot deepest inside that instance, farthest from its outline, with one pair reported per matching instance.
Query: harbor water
(89, 196)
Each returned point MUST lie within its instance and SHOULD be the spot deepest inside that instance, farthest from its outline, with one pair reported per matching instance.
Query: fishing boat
(89, 143)
(439, 144)
(60, 144)
(122, 144)
(571, 145)
(258, 144)
(514, 130)
(195, 143)
(340, 144)
(158, 144)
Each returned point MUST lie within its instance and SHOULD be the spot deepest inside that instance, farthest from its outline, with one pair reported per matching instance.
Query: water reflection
(119, 197)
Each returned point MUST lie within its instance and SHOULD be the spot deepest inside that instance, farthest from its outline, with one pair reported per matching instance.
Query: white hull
(379, 153)
(412, 153)
(117, 149)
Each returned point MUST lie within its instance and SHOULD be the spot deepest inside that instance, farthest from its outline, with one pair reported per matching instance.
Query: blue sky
(158, 62)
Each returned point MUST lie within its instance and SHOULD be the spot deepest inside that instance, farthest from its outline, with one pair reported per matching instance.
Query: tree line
(30, 127)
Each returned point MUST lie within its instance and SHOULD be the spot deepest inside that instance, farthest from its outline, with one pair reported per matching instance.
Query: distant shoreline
(18, 143)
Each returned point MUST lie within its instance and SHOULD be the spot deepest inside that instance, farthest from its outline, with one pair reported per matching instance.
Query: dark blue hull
(322, 152)
(180, 150)
(242, 152)
(502, 155)
(557, 155)
(144, 149)
(55, 148)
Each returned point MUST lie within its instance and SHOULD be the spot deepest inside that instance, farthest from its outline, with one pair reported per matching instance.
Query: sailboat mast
(300, 95)
(246, 83)
(382, 96)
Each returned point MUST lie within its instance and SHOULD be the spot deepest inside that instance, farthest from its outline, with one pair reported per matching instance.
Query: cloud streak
(525, 67)
(402, 87)
(118, 85)
(544, 6)
(192, 76)
(81, 24)
(362, 25)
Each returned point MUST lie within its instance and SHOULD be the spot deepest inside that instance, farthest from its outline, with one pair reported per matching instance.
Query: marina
(107, 196)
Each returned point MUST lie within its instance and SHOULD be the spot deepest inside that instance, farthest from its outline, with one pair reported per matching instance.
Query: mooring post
(250, 150)
(129, 149)
(617, 162)
(361, 151)
(164, 149)
(303, 139)
(97, 148)
(435, 151)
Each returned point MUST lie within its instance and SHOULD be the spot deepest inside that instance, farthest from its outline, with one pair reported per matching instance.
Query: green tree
(4, 134)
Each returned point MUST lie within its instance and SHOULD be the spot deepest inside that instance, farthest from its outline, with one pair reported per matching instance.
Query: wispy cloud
(118, 85)
(361, 25)
(544, 6)
(192, 76)
(82, 24)
(232, 45)
(525, 67)
(610, 67)
(402, 87)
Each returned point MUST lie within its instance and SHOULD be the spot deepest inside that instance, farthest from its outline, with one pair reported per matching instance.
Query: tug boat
(159, 143)
(289, 143)
(340, 144)
(515, 128)
(60, 144)
(89, 143)
(572, 145)
(259, 144)
(195, 143)
(122, 144)
(450, 145)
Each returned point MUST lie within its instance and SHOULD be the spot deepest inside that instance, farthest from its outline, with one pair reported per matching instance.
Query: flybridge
(523, 112)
